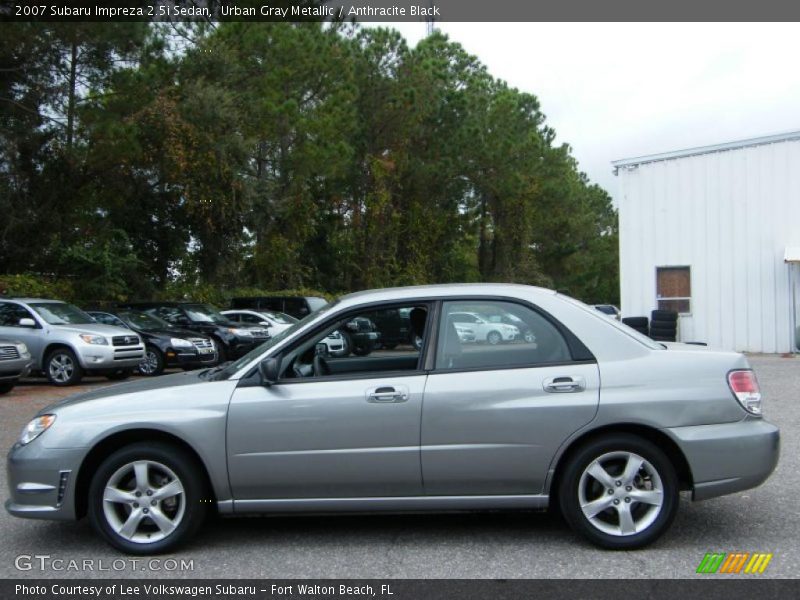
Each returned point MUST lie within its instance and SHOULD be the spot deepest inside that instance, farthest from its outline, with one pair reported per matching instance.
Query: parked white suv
(66, 343)
(484, 329)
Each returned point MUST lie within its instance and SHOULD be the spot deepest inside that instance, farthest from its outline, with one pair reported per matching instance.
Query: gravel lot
(524, 545)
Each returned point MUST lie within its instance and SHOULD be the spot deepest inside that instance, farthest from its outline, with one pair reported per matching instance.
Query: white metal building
(714, 232)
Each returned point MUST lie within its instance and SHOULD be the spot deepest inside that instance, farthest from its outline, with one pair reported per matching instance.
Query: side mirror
(27, 322)
(265, 324)
(269, 368)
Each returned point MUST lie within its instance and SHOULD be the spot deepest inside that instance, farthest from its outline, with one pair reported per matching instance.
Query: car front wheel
(620, 492)
(153, 362)
(62, 367)
(494, 338)
(147, 498)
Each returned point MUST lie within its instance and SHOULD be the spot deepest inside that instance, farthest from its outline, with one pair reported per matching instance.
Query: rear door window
(496, 334)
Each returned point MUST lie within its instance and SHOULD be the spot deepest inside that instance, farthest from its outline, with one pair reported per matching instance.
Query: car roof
(444, 290)
(37, 300)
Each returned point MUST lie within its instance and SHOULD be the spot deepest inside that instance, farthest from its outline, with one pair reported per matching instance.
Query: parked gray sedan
(592, 417)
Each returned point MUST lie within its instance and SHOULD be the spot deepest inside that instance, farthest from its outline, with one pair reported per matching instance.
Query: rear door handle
(387, 394)
(564, 384)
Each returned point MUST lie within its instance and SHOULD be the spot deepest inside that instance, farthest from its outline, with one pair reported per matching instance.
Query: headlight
(35, 428)
(179, 343)
(96, 340)
(240, 332)
(23, 351)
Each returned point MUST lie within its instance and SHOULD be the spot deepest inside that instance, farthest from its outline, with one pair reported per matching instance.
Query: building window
(674, 289)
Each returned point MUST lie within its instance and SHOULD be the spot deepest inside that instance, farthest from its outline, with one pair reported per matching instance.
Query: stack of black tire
(640, 324)
(664, 326)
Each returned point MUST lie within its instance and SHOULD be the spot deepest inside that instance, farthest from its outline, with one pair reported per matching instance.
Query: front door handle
(564, 384)
(387, 394)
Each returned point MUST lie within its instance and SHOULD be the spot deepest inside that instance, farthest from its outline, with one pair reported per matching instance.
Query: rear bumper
(728, 457)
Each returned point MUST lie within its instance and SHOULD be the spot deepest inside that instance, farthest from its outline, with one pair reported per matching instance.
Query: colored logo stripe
(721, 562)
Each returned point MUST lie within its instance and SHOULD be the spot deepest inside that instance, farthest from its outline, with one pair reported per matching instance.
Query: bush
(37, 286)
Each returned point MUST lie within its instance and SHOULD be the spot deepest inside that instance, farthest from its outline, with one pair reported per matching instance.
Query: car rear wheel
(620, 492)
(494, 338)
(147, 498)
(62, 367)
(153, 362)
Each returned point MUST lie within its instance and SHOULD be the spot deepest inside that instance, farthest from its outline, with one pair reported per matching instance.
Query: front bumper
(96, 357)
(189, 359)
(13, 370)
(728, 457)
(41, 481)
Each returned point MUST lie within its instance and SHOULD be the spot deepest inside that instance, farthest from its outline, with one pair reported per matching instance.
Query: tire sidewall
(568, 490)
(77, 373)
(183, 465)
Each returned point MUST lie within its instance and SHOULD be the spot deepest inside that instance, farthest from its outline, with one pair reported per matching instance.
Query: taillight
(744, 386)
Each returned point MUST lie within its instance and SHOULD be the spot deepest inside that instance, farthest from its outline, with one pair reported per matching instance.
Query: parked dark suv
(232, 339)
(296, 306)
(165, 344)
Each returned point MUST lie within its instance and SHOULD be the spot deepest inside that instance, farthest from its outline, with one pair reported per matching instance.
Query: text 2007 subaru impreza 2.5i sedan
(585, 411)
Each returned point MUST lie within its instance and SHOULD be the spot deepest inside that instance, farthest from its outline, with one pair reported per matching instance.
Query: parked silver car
(66, 343)
(604, 422)
(15, 363)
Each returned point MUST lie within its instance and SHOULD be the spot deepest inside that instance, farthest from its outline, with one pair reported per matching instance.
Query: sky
(620, 90)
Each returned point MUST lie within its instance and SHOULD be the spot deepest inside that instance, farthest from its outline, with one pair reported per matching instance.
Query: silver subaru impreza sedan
(583, 414)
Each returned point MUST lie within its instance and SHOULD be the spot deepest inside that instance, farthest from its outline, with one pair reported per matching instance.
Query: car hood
(95, 328)
(130, 387)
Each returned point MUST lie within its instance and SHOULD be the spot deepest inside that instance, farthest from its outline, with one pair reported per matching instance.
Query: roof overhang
(632, 163)
(792, 254)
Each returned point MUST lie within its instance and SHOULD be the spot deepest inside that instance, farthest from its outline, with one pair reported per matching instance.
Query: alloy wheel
(144, 501)
(149, 364)
(621, 493)
(493, 338)
(61, 368)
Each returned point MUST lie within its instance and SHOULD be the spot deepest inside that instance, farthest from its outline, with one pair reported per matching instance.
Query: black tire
(7, 387)
(667, 316)
(654, 522)
(494, 337)
(636, 322)
(362, 350)
(194, 499)
(643, 331)
(662, 338)
(62, 368)
(222, 351)
(663, 332)
(153, 363)
(119, 374)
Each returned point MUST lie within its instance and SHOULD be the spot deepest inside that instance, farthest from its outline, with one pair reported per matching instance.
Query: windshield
(61, 313)
(204, 313)
(141, 320)
(229, 369)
